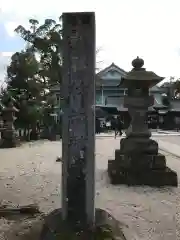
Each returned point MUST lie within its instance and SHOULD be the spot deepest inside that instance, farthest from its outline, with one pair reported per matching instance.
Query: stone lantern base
(9, 144)
(138, 162)
(9, 139)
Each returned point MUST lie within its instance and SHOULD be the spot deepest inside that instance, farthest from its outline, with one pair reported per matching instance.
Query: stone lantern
(138, 162)
(9, 138)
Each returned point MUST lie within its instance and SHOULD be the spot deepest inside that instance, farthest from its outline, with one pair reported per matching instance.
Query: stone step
(154, 178)
(140, 162)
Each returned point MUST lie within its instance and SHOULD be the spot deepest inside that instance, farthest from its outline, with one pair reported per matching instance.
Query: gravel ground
(29, 174)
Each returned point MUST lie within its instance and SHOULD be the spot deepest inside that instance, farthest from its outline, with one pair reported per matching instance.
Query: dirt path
(29, 174)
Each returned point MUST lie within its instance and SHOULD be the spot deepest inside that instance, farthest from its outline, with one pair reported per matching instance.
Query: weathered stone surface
(78, 135)
(55, 228)
(138, 145)
(9, 143)
(139, 162)
(153, 177)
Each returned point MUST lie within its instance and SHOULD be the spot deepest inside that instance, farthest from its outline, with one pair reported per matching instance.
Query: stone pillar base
(9, 140)
(144, 169)
(105, 227)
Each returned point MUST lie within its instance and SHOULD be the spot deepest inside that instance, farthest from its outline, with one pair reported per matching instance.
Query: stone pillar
(138, 161)
(78, 132)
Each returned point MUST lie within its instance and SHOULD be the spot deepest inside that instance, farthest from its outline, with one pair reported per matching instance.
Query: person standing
(98, 126)
(114, 125)
(120, 126)
(117, 126)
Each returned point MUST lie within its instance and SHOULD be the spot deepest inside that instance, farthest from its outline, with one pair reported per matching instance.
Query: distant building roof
(113, 65)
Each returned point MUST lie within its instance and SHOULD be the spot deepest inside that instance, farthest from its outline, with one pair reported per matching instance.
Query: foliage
(46, 41)
(172, 88)
(33, 70)
(29, 114)
(22, 74)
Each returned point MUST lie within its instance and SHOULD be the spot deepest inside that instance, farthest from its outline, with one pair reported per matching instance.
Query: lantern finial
(138, 63)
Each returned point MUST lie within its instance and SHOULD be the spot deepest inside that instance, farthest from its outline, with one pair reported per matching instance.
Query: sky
(125, 29)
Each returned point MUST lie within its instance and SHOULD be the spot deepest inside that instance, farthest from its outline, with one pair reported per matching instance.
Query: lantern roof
(139, 75)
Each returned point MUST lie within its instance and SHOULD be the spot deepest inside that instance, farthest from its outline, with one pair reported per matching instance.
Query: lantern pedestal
(9, 139)
(140, 168)
(138, 162)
